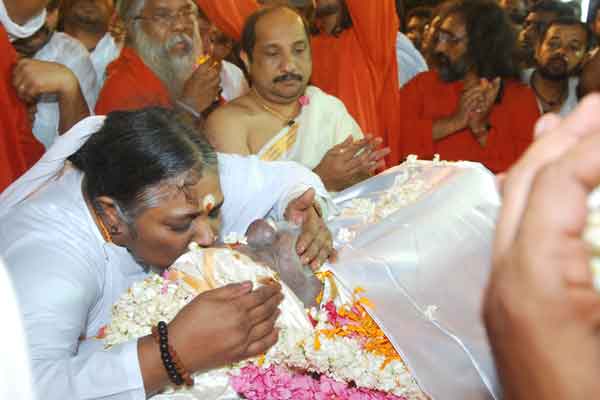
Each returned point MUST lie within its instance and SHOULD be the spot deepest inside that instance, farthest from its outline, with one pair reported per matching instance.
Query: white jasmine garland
(341, 358)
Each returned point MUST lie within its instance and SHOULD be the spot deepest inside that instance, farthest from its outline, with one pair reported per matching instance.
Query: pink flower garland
(277, 383)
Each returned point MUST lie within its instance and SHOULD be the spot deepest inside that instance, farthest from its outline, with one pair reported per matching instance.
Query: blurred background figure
(516, 9)
(561, 50)
(417, 20)
(96, 25)
(536, 22)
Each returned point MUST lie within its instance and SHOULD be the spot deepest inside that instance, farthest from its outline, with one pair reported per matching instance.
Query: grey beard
(172, 71)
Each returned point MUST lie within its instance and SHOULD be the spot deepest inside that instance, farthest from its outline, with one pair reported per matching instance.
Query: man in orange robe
(19, 149)
(157, 67)
(472, 108)
(354, 57)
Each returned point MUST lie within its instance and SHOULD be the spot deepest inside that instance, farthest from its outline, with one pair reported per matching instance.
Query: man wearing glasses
(162, 63)
(473, 107)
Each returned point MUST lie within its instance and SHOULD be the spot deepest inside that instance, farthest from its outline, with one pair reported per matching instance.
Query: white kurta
(233, 81)
(106, 51)
(65, 50)
(67, 277)
(570, 102)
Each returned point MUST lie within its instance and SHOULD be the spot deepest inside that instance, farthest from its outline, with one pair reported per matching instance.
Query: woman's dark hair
(135, 152)
(491, 38)
(248, 40)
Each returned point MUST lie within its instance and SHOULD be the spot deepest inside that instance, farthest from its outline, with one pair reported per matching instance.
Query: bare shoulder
(226, 127)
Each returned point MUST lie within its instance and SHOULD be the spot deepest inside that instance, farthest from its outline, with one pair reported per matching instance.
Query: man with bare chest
(284, 118)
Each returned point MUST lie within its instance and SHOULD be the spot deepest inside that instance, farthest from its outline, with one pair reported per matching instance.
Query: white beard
(172, 71)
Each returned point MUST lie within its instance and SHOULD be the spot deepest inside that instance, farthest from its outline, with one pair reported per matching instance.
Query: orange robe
(427, 98)
(19, 149)
(131, 85)
(359, 67)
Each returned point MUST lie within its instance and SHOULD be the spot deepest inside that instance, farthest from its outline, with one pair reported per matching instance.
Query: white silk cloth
(425, 268)
(322, 124)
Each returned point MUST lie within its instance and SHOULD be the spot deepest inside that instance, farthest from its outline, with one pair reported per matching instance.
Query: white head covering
(14, 360)
(16, 31)
(50, 165)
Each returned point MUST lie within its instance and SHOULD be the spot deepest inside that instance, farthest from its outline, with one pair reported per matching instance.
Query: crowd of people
(111, 110)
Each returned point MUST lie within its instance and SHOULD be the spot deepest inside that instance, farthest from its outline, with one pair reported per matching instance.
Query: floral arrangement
(408, 187)
(333, 351)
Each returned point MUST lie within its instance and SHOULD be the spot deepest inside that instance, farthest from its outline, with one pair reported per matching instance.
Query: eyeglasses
(445, 37)
(170, 19)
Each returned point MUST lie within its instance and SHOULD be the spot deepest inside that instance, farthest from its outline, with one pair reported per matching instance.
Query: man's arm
(32, 78)
(227, 132)
(56, 289)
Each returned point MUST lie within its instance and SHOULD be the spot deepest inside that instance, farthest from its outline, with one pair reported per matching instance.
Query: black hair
(137, 151)
(553, 6)
(419, 12)
(491, 38)
(248, 39)
(569, 21)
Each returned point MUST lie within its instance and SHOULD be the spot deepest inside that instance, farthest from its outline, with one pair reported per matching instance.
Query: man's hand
(483, 98)
(315, 244)
(226, 325)
(350, 162)
(32, 78)
(203, 88)
(541, 310)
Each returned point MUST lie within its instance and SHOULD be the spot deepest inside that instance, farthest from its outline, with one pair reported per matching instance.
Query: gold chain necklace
(289, 121)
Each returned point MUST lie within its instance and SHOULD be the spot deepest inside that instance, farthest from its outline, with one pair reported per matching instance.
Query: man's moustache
(288, 77)
(175, 40)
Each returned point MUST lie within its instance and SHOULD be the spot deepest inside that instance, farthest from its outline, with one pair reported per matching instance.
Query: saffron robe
(131, 85)
(19, 149)
(427, 98)
(359, 66)
(321, 125)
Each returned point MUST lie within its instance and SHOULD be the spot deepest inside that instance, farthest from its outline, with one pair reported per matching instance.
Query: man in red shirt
(473, 107)
(22, 83)
(157, 67)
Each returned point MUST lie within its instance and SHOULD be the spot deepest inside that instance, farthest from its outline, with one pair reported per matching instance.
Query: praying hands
(350, 162)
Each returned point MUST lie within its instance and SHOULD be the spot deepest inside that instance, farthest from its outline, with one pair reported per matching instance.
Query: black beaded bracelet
(161, 332)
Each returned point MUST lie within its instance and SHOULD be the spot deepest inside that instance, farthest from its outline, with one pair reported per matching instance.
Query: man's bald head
(276, 52)
(251, 26)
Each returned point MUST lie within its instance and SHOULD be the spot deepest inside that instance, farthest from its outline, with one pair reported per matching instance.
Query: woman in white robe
(144, 186)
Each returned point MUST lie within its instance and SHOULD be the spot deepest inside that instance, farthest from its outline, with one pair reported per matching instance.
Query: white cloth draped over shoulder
(322, 124)
(65, 50)
(16, 31)
(67, 277)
